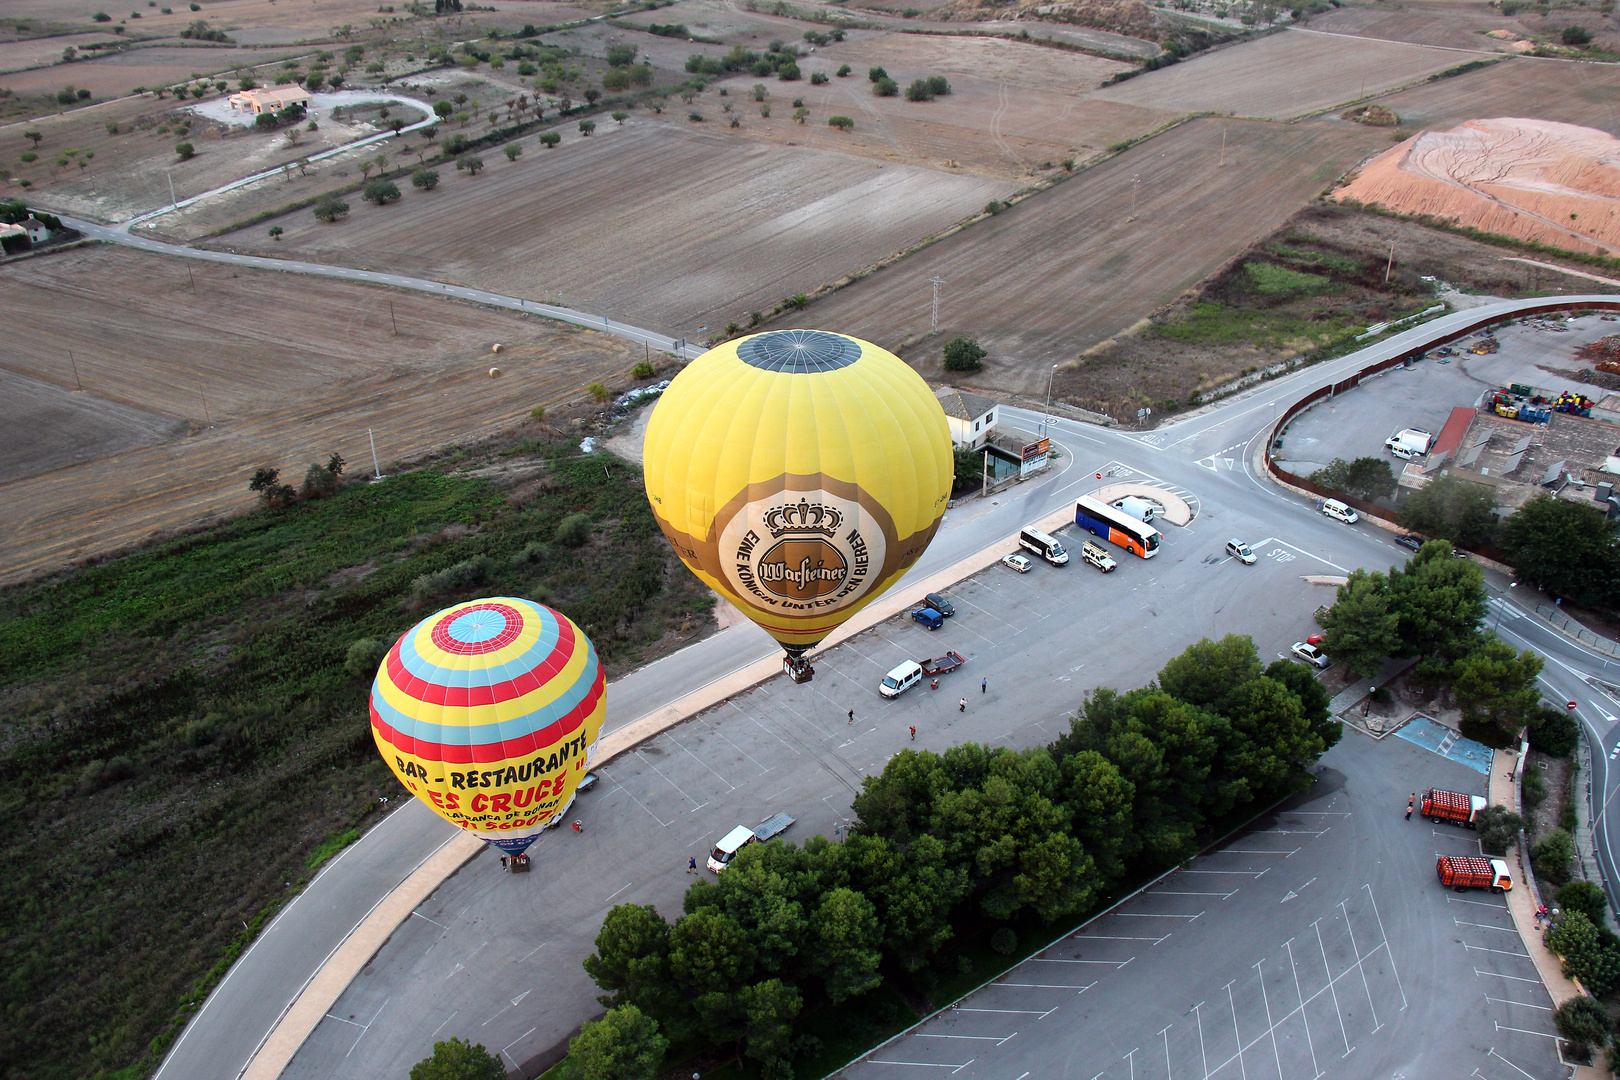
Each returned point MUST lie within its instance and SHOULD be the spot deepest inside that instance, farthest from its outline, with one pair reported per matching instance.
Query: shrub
(425, 179)
(620, 115)
(842, 123)
(621, 55)
(265, 121)
(1552, 857)
(919, 90)
(29, 156)
(512, 151)
(817, 78)
(643, 370)
(1583, 1021)
(1554, 732)
(101, 16)
(574, 530)
(276, 231)
(696, 118)
(939, 85)
(185, 150)
(471, 162)
(1585, 897)
(597, 391)
(994, 206)
(550, 139)
(329, 208)
(886, 87)
(1498, 829)
(874, 74)
(538, 412)
(441, 108)
(1591, 954)
(364, 657)
(586, 127)
(964, 353)
(319, 481)
(843, 70)
(1004, 940)
(788, 72)
(454, 578)
(380, 192)
(1576, 35)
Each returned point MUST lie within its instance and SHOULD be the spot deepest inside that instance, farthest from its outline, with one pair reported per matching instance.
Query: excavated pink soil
(1537, 180)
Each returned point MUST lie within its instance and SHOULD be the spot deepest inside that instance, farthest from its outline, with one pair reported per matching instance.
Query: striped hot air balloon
(488, 712)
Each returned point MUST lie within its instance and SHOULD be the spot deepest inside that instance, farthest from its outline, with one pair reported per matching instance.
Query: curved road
(1208, 452)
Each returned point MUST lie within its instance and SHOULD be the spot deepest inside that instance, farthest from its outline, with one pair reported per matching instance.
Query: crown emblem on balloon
(803, 517)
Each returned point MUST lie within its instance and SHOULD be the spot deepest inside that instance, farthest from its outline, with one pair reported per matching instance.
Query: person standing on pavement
(913, 732)
(984, 685)
(691, 864)
(852, 716)
(1409, 804)
(961, 706)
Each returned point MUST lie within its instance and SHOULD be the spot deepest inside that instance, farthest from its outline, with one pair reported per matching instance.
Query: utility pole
(191, 278)
(77, 384)
(376, 469)
(1048, 416)
(173, 205)
(938, 283)
(1389, 266)
(1135, 180)
(1223, 146)
(208, 419)
(391, 320)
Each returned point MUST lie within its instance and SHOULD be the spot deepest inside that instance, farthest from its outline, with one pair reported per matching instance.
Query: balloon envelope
(488, 712)
(798, 473)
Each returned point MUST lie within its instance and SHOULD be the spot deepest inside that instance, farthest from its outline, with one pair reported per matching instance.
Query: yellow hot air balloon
(798, 473)
(488, 712)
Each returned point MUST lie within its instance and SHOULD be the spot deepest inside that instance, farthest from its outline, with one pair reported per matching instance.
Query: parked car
(928, 617)
(1338, 511)
(1410, 540)
(940, 604)
(901, 679)
(1097, 556)
(1017, 562)
(1240, 551)
(1311, 654)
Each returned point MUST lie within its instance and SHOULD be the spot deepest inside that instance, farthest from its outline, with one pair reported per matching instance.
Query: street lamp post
(1047, 415)
(1367, 705)
(1501, 602)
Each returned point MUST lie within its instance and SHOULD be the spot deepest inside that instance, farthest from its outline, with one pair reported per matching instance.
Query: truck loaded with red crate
(1467, 872)
(1454, 806)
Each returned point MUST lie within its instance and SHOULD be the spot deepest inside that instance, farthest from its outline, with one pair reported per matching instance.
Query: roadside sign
(1038, 449)
(1571, 705)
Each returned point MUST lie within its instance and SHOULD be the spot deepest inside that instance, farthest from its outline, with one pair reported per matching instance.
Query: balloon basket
(798, 669)
(519, 864)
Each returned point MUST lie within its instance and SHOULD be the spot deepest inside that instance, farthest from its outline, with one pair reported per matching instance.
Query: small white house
(38, 231)
(972, 417)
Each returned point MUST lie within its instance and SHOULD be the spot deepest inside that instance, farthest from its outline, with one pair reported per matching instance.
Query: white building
(269, 99)
(972, 417)
(38, 231)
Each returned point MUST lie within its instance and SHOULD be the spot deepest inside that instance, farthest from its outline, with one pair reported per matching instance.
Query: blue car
(929, 617)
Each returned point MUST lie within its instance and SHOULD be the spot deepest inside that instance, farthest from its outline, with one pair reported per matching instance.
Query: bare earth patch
(288, 370)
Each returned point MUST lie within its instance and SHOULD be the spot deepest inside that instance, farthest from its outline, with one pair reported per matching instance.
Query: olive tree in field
(425, 179)
(964, 353)
(185, 150)
(512, 151)
(549, 139)
(380, 192)
(587, 126)
(471, 163)
(329, 208)
(842, 123)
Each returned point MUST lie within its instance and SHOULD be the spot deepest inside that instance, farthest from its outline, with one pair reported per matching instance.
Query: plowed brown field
(1587, 94)
(1073, 265)
(288, 369)
(668, 227)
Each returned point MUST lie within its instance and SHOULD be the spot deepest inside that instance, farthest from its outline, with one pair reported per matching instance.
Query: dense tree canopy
(1564, 548)
(1365, 478)
(1450, 509)
(975, 836)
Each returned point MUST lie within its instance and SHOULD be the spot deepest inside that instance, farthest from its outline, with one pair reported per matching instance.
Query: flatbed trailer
(942, 665)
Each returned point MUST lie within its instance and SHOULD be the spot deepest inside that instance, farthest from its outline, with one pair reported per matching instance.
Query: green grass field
(182, 745)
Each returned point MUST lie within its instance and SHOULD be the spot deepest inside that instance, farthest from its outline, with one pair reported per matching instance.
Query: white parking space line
(1052, 986)
(1526, 1004)
(1499, 975)
(1487, 926)
(977, 1038)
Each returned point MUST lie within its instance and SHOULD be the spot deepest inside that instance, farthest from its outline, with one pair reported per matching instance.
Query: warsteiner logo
(802, 569)
(802, 551)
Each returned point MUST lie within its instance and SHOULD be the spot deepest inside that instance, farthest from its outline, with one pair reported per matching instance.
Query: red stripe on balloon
(509, 632)
(462, 697)
(485, 753)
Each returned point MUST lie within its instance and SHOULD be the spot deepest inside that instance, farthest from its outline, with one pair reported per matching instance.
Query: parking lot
(1317, 943)
(1356, 423)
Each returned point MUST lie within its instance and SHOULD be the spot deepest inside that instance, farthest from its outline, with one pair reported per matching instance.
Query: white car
(1311, 655)
(1338, 511)
(1017, 562)
(1240, 551)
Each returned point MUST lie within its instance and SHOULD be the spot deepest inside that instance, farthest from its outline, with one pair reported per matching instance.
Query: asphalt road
(1317, 943)
(1204, 454)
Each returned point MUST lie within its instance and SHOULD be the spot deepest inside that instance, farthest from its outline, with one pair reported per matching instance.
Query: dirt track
(289, 370)
(1072, 266)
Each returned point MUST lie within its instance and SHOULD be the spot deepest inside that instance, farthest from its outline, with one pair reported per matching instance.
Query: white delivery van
(1044, 546)
(1140, 509)
(901, 679)
(731, 843)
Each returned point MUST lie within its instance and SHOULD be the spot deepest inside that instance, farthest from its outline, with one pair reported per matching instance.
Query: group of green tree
(1561, 546)
(319, 482)
(780, 59)
(1365, 478)
(1433, 608)
(953, 844)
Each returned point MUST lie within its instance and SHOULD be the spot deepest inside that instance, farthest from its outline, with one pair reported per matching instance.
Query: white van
(1097, 556)
(1409, 444)
(1338, 511)
(731, 843)
(901, 679)
(1140, 509)
(1044, 546)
